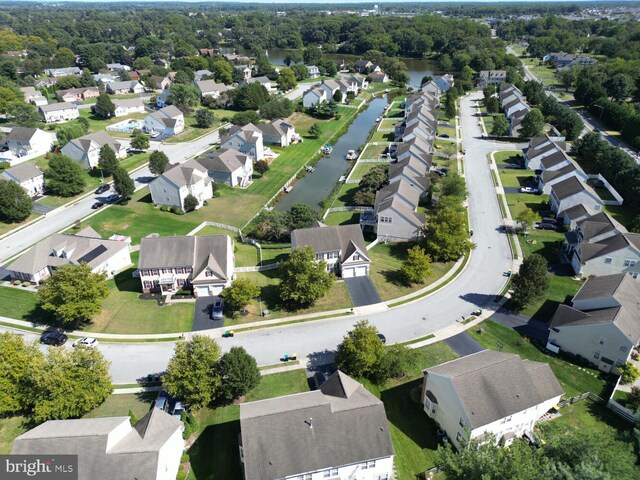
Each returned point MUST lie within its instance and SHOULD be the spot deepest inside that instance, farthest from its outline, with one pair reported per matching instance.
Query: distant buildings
(491, 77)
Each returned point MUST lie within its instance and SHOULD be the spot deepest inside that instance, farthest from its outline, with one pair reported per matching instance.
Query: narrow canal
(315, 187)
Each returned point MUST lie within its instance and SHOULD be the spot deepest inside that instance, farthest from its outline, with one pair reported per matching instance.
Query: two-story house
(86, 149)
(62, 72)
(246, 139)
(77, 94)
(601, 324)
(128, 86)
(28, 176)
(128, 106)
(314, 96)
(167, 121)
(488, 392)
(617, 253)
(339, 431)
(341, 247)
(23, 141)
(314, 71)
(278, 132)
(180, 181)
(228, 167)
(31, 95)
(210, 88)
(396, 210)
(571, 192)
(491, 77)
(59, 112)
(204, 263)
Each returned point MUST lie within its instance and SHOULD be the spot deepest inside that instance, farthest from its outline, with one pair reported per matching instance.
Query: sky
(315, 2)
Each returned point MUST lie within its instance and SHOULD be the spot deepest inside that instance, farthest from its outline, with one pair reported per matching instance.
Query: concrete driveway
(463, 344)
(362, 291)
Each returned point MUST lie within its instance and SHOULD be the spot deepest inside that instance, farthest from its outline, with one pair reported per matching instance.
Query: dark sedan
(53, 338)
(102, 189)
(97, 205)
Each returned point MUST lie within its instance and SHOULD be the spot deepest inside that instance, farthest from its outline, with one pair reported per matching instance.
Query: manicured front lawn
(10, 428)
(342, 218)
(373, 151)
(508, 157)
(515, 177)
(451, 131)
(573, 378)
(445, 146)
(386, 260)
(383, 136)
(7, 227)
(192, 130)
(16, 303)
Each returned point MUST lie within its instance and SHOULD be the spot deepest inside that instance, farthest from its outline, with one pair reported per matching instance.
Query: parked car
(444, 135)
(216, 310)
(97, 205)
(86, 341)
(178, 408)
(162, 402)
(112, 198)
(316, 380)
(54, 338)
(528, 190)
(154, 134)
(382, 338)
(133, 151)
(513, 165)
(102, 189)
(547, 226)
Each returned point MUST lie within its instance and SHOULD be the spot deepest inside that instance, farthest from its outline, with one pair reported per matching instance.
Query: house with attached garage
(378, 77)
(86, 246)
(246, 139)
(264, 81)
(128, 106)
(314, 96)
(491, 77)
(180, 181)
(59, 112)
(28, 176)
(77, 94)
(167, 121)
(228, 167)
(31, 95)
(571, 192)
(200, 74)
(110, 447)
(62, 72)
(601, 325)
(396, 212)
(168, 264)
(540, 147)
(210, 88)
(128, 86)
(159, 83)
(617, 253)
(339, 431)
(488, 393)
(445, 82)
(86, 150)
(563, 168)
(341, 247)
(279, 133)
(23, 141)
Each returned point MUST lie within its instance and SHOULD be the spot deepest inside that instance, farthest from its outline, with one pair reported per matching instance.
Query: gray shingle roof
(128, 102)
(211, 86)
(608, 245)
(185, 174)
(223, 160)
(331, 239)
(493, 385)
(568, 188)
(20, 134)
(134, 455)
(54, 107)
(101, 138)
(349, 427)
(24, 171)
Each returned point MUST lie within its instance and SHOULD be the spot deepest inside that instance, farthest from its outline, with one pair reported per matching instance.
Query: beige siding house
(86, 150)
(181, 180)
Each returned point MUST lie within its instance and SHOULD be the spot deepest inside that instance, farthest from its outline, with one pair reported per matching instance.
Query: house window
(179, 270)
(147, 284)
(319, 256)
(369, 464)
(166, 270)
(356, 257)
(154, 272)
(208, 273)
(608, 260)
(384, 476)
(629, 263)
(619, 363)
(596, 355)
(622, 349)
(180, 282)
(306, 476)
(459, 437)
(332, 255)
(332, 472)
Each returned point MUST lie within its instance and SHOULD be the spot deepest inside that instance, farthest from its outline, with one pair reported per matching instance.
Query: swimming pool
(126, 126)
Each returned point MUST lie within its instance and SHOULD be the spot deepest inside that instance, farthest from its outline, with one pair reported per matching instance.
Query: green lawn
(386, 260)
(451, 131)
(345, 197)
(10, 428)
(573, 378)
(373, 151)
(508, 157)
(388, 124)
(395, 113)
(7, 227)
(516, 177)
(383, 136)
(16, 303)
(446, 146)
(119, 405)
(192, 130)
(342, 218)
(364, 167)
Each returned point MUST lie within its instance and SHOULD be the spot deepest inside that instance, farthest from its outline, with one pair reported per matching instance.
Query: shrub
(184, 458)
(628, 373)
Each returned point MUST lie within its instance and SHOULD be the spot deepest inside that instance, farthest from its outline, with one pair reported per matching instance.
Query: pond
(315, 187)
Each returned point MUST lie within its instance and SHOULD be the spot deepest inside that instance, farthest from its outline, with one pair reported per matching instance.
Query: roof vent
(309, 422)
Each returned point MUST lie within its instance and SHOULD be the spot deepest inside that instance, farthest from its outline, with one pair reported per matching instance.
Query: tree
(245, 118)
(239, 294)
(632, 402)
(628, 373)
(315, 130)
(301, 215)
(397, 361)
(447, 237)
(361, 351)
(123, 183)
(239, 373)
(184, 96)
(453, 185)
(222, 72)
(527, 218)
(287, 79)
(417, 266)
(140, 141)
(372, 181)
(73, 382)
(250, 97)
(107, 160)
(190, 203)
(15, 204)
(277, 107)
(312, 55)
(24, 114)
(500, 126)
(65, 177)
(492, 105)
(68, 132)
(303, 280)
(261, 166)
(620, 87)
(204, 118)
(104, 107)
(73, 293)
(337, 96)
(158, 162)
(18, 363)
(271, 226)
(531, 281)
(567, 77)
(192, 373)
(532, 124)
(635, 225)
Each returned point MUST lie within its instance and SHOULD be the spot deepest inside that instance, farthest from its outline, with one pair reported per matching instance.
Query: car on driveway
(216, 310)
(547, 226)
(112, 198)
(102, 188)
(178, 408)
(88, 342)
(97, 205)
(54, 338)
(528, 190)
(162, 402)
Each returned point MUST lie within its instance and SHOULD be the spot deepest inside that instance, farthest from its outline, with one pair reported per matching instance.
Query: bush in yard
(190, 203)
(417, 266)
(303, 280)
(396, 362)
(73, 293)
(628, 373)
(301, 215)
(500, 126)
(133, 418)
(361, 352)
(158, 162)
(315, 131)
(261, 166)
(15, 204)
(239, 294)
(531, 282)
(239, 372)
(64, 177)
(632, 402)
(140, 141)
(204, 118)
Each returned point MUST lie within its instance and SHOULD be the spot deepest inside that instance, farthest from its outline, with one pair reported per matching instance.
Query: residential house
(128, 106)
(246, 70)
(167, 121)
(238, 59)
(118, 67)
(105, 78)
(491, 77)
(229, 167)
(163, 99)
(128, 86)
(396, 213)
(279, 132)
(549, 177)
(246, 139)
(86, 149)
(571, 192)
(416, 147)
(363, 66)
(28, 176)
(445, 82)
(46, 82)
(314, 96)
(317, 434)
(378, 77)
(341, 247)
(601, 323)
(573, 215)
(62, 72)
(331, 87)
(86, 246)
(359, 81)
(161, 62)
(77, 94)
(31, 95)
(264, 81)
(159, 83)
(200, 74)
(431, 87)
(209, 88)
(110, 447)
(567, 60)
(540, 147)
(23, 141)
(488, 392)
(180, 181)
(314, 72)
(208, 52)
(411, 170)
(59, 112)
(169, 264)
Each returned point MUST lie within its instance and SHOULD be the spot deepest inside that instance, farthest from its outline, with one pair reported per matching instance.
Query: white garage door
(202, 291)
(351, 272)
(348, 272)
(361, 271)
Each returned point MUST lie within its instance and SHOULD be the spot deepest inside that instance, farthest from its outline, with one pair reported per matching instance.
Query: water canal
(315, 187)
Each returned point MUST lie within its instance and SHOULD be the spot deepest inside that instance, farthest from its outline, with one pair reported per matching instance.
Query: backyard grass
(379, 136)
(96, 124)
(516, 177)
(388, 124)
(395, 113)
(573, 378)
(7, 227)
(386, 261)
(445, 146)
(364, 167)
(10, 428)
(345, 197)
(373, 151)
(508, 157)
(119, 405)
(337, 298)
(342, 218)
(192, 130)
(451, 131)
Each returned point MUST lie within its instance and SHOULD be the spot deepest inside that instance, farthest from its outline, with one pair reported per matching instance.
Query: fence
(215, 224)
(345, 209)
(612, 405)
(259, 268)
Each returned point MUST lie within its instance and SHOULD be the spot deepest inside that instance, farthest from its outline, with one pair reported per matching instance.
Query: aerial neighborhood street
(351, 242)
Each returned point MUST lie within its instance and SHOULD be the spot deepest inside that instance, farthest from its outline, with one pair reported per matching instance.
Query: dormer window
(208, 273)
(356, 257)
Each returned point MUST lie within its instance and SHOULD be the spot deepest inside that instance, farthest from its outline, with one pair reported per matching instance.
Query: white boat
(310, 169)
(352, 155)
(288, 189)
(378, 119)
(327, 149)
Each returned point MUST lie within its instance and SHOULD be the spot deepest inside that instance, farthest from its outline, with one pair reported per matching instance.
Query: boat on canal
(327, 149)
(351, 155)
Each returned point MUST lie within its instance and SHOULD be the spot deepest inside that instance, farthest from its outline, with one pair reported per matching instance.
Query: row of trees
(276, 226)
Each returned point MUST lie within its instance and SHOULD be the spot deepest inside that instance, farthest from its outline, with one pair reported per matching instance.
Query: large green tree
(15, 204)
(287, 79)
(204, 118)
(527, 217)
(104, 107)
(184, 96)
(417, 266)
(73, 382)
(222, 72)
(532, 124)
(24, 114)
(531, 282)
(239, 373)
(500, 126)
(301, 215)
(140, 141)
(107, 160)
(123, 183)
(64, 177)
(303, 280)
(240, 293)
(73, 293)
(361, 352)
(447, 237)
(192, 373)
(158, 162)
(18, 363)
